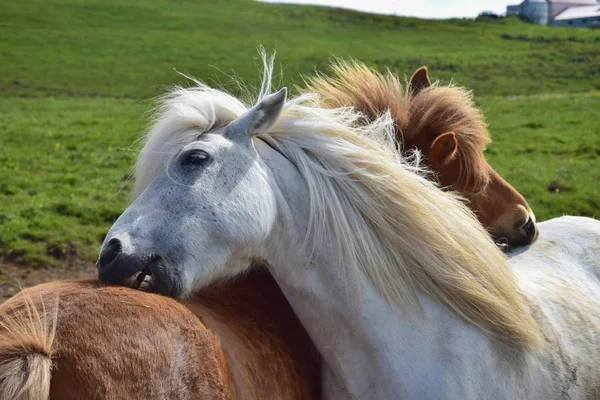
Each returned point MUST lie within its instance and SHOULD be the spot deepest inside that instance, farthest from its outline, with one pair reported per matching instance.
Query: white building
(559, 12)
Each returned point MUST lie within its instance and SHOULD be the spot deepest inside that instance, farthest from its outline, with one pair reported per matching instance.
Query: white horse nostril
(109, 253)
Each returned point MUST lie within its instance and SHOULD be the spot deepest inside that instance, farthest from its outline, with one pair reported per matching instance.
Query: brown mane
(443, 123)
(426, 111)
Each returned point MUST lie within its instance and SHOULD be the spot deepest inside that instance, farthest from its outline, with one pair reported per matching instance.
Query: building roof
(579, 12)
(575, 2)
(569, 3)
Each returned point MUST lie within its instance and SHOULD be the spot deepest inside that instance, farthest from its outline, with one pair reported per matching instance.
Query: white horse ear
(260, 118)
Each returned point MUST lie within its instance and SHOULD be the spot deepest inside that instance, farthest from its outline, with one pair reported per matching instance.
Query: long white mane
(388, 222)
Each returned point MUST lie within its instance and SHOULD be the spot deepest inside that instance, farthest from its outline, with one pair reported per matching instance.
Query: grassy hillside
(77, 76)
(113, 48)
(540, 140)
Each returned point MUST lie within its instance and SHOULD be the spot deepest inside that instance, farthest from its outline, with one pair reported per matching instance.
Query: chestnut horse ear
(419, 81)
(443, 148)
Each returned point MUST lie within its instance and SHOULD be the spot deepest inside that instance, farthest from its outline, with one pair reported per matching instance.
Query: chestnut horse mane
(429, 109)
(26, 338)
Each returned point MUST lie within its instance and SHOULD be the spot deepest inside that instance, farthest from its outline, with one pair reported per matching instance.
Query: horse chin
(164, 276)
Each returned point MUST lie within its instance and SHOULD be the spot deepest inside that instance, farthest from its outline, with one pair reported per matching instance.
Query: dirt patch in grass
(14, 277)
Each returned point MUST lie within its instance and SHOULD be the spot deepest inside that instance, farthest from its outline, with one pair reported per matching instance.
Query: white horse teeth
(147, 284)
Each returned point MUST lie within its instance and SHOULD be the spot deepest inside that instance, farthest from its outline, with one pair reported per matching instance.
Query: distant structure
(558, 12)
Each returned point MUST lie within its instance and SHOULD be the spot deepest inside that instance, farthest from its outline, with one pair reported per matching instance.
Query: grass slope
(76, 77)
(63, 164)
(539, 140)
(114, 48)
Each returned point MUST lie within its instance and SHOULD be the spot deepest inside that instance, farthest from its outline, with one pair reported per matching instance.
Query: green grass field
(78, 76)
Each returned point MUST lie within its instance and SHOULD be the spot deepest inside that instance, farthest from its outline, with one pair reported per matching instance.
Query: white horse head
(207, 213)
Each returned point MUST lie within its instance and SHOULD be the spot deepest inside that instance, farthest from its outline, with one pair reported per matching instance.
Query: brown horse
(83, 340)
(443, 123)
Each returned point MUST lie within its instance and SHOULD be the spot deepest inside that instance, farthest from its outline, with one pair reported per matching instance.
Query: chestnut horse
(443, 123)
(240, 340)
(107, 342)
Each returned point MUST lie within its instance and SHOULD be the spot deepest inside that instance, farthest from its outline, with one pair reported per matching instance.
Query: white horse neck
(369, 350)
(354, 328)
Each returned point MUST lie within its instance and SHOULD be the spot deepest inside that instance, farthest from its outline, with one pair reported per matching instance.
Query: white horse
(401, 289)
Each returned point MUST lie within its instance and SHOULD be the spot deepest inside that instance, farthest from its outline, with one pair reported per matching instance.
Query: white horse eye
(195, 158)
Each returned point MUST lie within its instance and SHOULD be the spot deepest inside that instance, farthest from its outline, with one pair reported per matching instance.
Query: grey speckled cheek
(183, 197)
